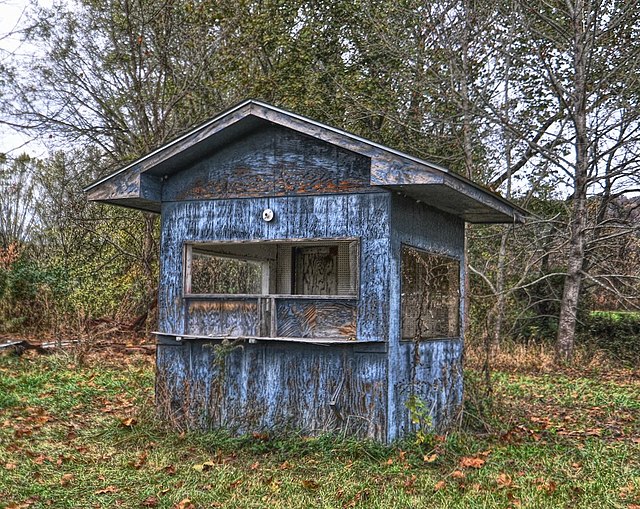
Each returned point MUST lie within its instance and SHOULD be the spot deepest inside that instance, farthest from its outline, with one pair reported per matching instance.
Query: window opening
(309, 268)
(430, 295)
(216, 274)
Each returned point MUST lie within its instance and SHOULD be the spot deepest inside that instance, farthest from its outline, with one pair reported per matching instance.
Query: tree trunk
(572, 283)
(571, 294)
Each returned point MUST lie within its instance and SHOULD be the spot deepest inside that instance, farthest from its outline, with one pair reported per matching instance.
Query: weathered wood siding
(229, 317)
(274, 385)
(274, 161)
(362, 216)
(316, 319)
(433, 371)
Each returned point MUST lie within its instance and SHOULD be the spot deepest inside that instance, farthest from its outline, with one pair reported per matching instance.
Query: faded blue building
(310, 279)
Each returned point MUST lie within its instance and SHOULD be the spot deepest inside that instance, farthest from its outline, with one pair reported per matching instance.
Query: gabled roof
(138, 184)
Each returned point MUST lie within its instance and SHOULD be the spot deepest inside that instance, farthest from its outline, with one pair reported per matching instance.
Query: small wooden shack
(310, 279)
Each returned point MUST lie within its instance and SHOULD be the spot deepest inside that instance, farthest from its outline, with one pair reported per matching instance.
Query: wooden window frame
(459, 305)
(268, 269)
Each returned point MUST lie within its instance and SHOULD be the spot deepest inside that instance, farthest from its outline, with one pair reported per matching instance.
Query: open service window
(430, 295)
(288, 289)
(320, 268)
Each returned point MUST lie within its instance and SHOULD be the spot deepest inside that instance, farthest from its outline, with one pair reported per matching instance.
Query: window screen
(212, 274)
(430, 295)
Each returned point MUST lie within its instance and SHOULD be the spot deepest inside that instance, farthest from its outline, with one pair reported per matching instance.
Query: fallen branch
(19, 346)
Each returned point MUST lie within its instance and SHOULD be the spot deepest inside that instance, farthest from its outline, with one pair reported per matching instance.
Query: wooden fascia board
(487, 199)
(399, 174)
(387, 171)
(129, 185)
(124, 184)
(179, 144)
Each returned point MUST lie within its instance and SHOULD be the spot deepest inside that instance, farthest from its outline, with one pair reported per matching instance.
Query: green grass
(616, 315)
(85, 436)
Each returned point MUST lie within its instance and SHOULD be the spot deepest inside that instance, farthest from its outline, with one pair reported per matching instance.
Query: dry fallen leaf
(10, 466)
(504, 480)
(24, 505)
(255, 465)
(471, 462)
(140, 461)
(108, 489)
(150, 501)
(129, 423)
(457, 474)
(66, 479)
(203, 467)
(309, 484)
(430, 458)
(439, 485)
(185, 504)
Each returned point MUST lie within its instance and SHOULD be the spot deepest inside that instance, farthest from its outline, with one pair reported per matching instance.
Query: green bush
(615, 332)
(30, 293)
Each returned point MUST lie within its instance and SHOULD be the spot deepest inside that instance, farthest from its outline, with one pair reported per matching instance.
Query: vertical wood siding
(269, 385)
(430, 370)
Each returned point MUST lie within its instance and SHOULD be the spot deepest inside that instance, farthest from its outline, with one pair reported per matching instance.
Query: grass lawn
(84, 435)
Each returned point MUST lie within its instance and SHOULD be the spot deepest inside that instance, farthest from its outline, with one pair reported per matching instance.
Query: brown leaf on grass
(357, 498)
(439, 485)
(108, 489)
(260, 436)
(24, 505)
(66, 479)
(22, 432)
(203, 467)
(285, 466)
(543, 485)
(10, 466)
(471, 462)
(170, 469)
(430, 458)
(254, 466)
(140, 460)
(457, 474)
(389, 461)
(150, 501)
(409, 482)
(309, 484)
(185, 504)
(515, 502)
(233, 485)
(129, 422)
(504, 480)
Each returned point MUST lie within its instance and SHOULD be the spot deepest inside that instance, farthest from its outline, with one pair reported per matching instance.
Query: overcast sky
(12, 14)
